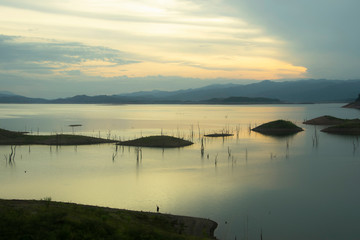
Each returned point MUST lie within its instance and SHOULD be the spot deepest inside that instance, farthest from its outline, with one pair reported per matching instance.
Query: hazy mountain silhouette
(290, 91)
(302, 91)
(7, 94)
(9, 97)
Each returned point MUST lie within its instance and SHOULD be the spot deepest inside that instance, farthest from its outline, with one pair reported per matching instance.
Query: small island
(337, 125)
(18, 138)
(219, 135)
(348, 128)
(278, 128)
(160, 141)
(327, 120)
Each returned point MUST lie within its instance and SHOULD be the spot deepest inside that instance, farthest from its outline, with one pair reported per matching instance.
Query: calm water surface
(288, 188)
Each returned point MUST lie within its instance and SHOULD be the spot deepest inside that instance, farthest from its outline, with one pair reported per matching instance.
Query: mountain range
(301, 91)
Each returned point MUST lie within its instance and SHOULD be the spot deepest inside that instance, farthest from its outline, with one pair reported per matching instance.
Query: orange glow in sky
(168, 38)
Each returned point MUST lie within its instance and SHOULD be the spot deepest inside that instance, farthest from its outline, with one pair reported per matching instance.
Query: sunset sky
(63, 48)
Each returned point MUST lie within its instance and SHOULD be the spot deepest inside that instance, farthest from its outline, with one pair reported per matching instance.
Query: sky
(63, 48)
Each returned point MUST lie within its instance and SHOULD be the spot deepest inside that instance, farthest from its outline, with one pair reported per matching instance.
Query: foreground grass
(18, 138)
(30, 219)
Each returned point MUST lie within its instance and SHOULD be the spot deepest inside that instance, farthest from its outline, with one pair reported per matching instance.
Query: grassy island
(348, 128)
(326, 120)
(44, 219)
(330, 120)
(278, 128)
(160, 141)
(337, 125)
(18, 138)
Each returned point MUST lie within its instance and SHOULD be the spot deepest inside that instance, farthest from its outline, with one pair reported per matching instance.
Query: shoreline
(52, 214)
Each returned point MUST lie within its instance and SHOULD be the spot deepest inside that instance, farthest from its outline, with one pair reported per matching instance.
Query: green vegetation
(348, 128)
(328, 120)
(157, 141)
(18, 138)
(278, 127)
(30, 219)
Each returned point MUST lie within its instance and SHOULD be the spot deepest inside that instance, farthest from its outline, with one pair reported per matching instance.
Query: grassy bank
(30, 219)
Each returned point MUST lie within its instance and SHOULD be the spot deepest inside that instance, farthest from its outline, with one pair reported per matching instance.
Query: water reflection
(284, 188)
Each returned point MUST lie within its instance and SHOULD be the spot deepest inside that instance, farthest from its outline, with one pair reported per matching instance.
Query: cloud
(63, 48)
(39, 56)
(27, 49)
(322, 35)
(120, 43)
(166, 34)
(319, 35)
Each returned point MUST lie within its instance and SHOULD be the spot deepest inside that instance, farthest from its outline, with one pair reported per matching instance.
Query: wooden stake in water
(11, 157)
(247, 227)
(229, 152)
(202, 148)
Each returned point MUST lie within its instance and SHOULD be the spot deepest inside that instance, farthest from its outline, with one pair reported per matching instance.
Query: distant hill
(289, 91)
(241, 100)
(21, 99)
(103, 99)
(301, 91)
(9, 97)
(6, 93)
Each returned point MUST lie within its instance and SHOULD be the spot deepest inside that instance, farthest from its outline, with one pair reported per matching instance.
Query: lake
(285, 188)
